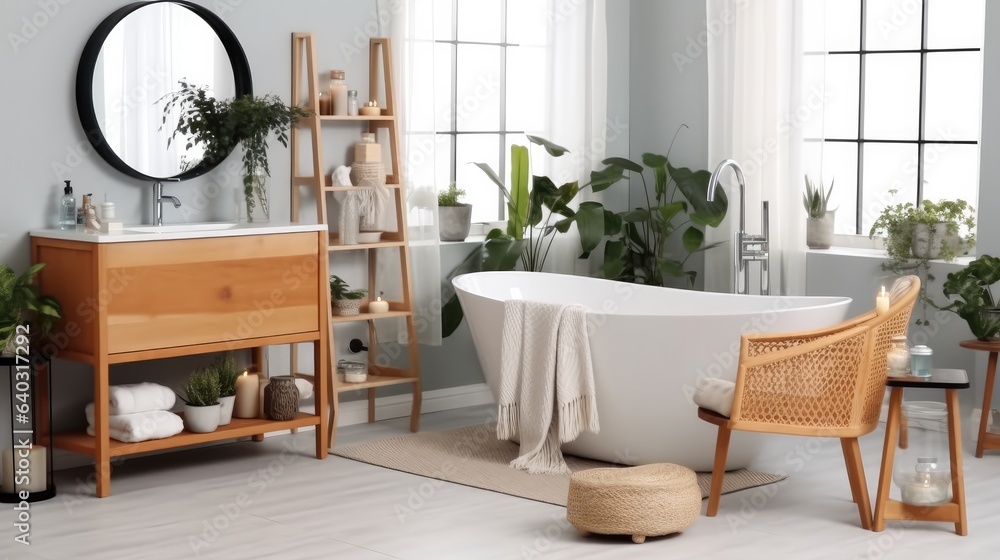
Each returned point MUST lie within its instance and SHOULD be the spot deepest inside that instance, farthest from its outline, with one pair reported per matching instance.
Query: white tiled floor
(274, 500)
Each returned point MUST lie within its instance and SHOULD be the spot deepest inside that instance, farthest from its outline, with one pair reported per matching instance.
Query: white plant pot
(819, 231)
(202, 419)
(928, 241)
(454, 222)
(226, 409)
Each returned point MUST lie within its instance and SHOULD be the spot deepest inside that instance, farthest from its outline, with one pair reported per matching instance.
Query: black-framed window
(489, 60)
(901, 89)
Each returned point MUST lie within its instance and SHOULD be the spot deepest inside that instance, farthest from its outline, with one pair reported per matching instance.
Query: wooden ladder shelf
(304, 51)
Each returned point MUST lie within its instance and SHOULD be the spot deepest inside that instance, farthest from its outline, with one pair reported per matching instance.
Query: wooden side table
(986, 440)
(954, 511)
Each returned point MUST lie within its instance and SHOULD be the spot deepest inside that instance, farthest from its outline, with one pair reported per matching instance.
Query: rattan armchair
(823, 383)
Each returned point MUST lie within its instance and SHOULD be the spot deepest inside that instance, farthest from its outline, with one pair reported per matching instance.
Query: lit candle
(379, 305)
(246, 405)
(882, 302)
(30, 466)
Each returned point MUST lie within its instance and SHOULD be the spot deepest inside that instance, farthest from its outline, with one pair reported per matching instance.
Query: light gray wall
(668, 87)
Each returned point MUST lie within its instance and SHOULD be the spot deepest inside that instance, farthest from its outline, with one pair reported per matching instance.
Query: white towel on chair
(139, 397)
(138, 426)
(547, 394)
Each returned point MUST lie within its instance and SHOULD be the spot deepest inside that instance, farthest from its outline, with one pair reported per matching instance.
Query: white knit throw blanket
(547, 394)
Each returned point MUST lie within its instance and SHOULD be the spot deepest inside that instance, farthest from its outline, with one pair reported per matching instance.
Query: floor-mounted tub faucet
(159, 198)
(746, 247)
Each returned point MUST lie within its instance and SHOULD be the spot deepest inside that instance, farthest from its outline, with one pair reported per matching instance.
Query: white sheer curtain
(412, 34)
(576, 102)
(755, 94)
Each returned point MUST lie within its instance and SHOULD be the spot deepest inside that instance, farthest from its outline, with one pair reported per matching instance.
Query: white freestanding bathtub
(649, 345)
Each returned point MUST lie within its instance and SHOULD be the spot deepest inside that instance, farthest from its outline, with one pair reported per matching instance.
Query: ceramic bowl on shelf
(369, 236)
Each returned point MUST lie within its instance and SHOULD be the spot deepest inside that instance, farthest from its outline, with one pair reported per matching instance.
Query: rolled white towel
(139, 397)
(138, 426)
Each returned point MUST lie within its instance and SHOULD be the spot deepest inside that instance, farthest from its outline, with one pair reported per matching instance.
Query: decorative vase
(929, 240)
(350, 219)
(454, 222)
(281, 398)
(255, 199)
(202, 419)
(226, 409)
(819, 231)
(347, 307)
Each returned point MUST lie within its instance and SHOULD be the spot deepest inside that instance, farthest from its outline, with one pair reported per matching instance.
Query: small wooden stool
(643, 501)
(950, 380)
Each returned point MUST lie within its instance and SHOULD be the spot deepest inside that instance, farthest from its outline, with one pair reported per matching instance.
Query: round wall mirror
(135, 58)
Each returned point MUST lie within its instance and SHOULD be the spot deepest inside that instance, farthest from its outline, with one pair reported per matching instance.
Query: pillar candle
(882, 302)
(21, 462)
(246, 405)
(378, 306)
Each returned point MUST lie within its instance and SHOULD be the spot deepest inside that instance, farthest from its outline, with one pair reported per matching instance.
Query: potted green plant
(819, 224)
(975, 303)
(346, 301)
(21, 304)
(454, 217)
(225, 370)
(932, 230)
(219, 126)
(201, 402)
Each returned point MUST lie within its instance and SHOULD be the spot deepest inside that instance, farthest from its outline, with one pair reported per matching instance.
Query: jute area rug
(474, 457)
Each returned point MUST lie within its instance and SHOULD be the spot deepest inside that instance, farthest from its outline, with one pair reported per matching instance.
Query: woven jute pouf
(644, 501)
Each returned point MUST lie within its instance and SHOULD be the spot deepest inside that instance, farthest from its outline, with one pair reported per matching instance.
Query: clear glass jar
(920, 360)
(897, 359)
(920, 467)
(352, 102)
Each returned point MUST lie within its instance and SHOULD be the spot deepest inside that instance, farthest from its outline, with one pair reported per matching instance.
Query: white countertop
(139, 232)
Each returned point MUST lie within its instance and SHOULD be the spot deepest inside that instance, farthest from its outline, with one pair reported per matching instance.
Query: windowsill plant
(819, 226)
(455, 218)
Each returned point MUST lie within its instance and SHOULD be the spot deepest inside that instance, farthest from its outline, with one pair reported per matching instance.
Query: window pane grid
(886, 121)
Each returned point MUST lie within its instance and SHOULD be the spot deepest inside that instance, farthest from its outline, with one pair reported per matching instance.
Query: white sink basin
(175, 228)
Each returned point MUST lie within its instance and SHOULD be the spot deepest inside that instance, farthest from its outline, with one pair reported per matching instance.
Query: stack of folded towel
(139, 412)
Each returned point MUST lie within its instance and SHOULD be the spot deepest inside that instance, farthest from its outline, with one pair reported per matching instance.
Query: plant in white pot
(454, 217)
(22, 306)
(225, 370)
(201, 402)
(346, 301)
(819, 225)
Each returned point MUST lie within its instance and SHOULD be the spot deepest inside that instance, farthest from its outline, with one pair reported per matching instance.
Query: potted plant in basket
(21, 304)
(819, 225)
(201, 402)
(225, 370)
(455, 218)
(975, 302)
(219, 126)
(345, 300)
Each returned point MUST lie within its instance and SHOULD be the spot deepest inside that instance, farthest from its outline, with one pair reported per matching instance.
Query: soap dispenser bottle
(67, 209)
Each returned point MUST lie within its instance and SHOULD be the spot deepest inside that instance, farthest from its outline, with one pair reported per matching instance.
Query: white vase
(350, 219)
(226, 409)
(202, 419)
(928, 241)
(819, 231)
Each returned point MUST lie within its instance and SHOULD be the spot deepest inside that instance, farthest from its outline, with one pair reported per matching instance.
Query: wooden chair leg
(845, 446)
(856, 471)
(718, 470)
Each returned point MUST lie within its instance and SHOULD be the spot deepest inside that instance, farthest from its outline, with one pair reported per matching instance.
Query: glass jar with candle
(898, 357)
(920, 466)
(920, 361)
(338, 92)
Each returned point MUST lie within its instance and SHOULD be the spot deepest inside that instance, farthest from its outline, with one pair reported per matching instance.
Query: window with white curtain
(490, 59)
(900, 83)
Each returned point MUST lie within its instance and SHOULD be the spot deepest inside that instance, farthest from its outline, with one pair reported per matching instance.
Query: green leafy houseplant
(219, 126)
(975, 302)
(201, 389)
(899, 224)
(814, 200)
(449, 197)
(225, 370)
(340, 290)
(20, 303)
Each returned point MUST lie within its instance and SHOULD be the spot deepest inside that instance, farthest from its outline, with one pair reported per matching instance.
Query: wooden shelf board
(80, 442)
(369, 316)
(389, 239)
(991, 441)
(372, 382)
(328, 188)
(357, 117)
(158, 353)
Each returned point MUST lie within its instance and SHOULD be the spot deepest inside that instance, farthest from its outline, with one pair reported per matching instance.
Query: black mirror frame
(88, 64)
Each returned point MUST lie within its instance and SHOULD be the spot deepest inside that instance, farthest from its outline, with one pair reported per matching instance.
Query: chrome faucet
(746, 247)
(159, 198)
